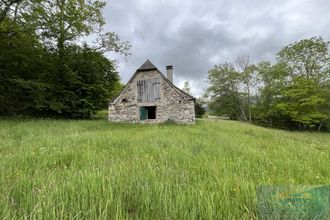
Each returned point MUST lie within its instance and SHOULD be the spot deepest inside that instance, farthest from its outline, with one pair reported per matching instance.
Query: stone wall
(172, 105)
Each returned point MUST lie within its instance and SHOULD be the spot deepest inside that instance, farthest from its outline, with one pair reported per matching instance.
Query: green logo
(293, 202)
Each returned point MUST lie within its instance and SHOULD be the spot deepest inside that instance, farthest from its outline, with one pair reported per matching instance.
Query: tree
(43, 71)
(24, 65)
(59, 24)
(304, 102)
(90, 85)
(271, 82)
(291, 93)
(303, 97)
(326, 90)
(187, 87)
(199, 109)
(11, 19)
(308, 58)
(63, 21)
(223, 91)
(246, 71)
(6, 6)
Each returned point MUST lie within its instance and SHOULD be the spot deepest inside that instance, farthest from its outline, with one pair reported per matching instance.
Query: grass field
(95, 170)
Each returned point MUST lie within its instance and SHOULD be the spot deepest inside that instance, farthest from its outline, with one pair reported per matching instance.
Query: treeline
(292, 93)
(45, 69)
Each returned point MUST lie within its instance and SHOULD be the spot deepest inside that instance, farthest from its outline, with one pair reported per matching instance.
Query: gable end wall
(172, 105)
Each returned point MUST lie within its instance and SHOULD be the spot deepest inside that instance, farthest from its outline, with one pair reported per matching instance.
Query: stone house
(150, 97)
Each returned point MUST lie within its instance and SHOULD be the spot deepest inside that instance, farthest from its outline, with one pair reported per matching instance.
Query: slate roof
(147, 66)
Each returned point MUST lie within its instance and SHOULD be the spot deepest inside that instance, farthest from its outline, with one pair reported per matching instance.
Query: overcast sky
(194, 35)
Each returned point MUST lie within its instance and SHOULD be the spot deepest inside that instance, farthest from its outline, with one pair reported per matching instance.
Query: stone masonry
(173, 104)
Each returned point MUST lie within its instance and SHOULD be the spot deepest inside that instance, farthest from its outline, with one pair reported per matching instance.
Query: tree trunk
(15, 13)
(249, 104)
(320, 126)
(250, 115)
(243, 116)
(4, 12)
(61, 42)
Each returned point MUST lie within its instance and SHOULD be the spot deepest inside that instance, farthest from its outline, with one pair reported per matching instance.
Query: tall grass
(56, 169)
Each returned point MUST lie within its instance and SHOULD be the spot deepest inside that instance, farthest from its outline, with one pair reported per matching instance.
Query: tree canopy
(44, 69)
(291, 93)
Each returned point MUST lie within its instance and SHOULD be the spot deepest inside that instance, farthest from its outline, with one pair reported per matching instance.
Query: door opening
(147, 112)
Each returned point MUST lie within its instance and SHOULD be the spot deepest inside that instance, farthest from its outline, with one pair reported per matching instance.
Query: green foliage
(66, 20)
(292, 93)
(303, 102)
(5, 8)
(230, 89)
(272, 80)
(199, 108)
(23, 71)
(43, 72)
(74, 169)
(63, 21)
(88, 84)
(303, 95)
(223, 80)
(32, 85)
(308, 58)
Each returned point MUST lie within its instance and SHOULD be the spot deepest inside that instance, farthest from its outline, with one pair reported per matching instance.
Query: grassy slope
(92, 169)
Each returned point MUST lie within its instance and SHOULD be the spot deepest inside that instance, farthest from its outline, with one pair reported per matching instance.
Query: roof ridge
(147, 66)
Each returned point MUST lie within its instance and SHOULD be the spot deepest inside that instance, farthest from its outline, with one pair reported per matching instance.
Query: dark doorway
(147, 112)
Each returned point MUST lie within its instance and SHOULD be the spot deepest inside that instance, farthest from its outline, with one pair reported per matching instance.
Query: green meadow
(92, 169)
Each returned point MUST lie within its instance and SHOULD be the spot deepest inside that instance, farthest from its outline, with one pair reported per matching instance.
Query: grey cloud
(195, 35)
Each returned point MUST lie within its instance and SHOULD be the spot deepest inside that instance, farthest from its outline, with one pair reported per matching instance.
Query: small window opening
(124, 100)
(147, 112)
